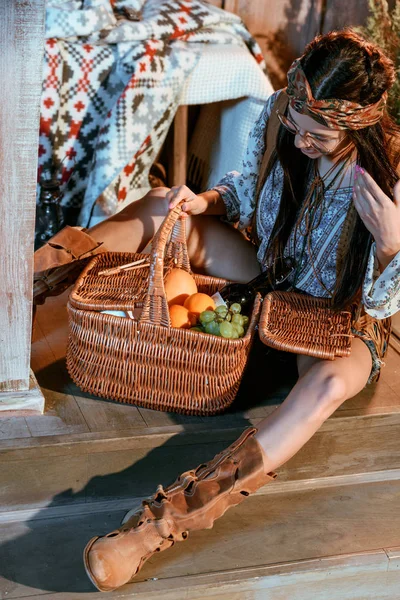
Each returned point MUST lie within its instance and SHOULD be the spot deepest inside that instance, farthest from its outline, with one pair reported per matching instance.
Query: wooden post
(21, 66)
(180, 136)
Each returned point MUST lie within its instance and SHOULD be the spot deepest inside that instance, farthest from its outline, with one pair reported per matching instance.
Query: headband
(333, 113)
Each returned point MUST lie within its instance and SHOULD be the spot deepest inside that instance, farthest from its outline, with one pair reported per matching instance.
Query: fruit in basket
(179, 285)
(221, 312)
(198, 303)
(226, 329)
(180, 317)
(222, 321)
(207, 316)
(235, 308)
(212, 327)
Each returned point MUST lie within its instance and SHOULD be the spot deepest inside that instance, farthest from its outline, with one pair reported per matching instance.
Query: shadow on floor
(45, 553)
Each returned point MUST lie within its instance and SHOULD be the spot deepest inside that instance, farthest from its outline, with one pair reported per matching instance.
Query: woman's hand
(209, 203)
(379, 214)
(193, 204)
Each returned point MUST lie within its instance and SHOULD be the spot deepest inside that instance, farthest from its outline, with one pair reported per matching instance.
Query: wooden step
(337, 542)
(85, 449)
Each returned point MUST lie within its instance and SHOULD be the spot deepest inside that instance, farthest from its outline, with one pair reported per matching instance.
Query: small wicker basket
(146, 361)
(303, 324)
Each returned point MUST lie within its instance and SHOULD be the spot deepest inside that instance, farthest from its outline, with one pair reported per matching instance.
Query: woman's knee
(325, 392)
(158, 192)
(154, 203)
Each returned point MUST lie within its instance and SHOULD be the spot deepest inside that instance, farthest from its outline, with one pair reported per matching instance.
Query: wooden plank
(21, 55)
(104, 415)
(133, 466)
(216, 3)
(22, 403)
(89, 504)
(342, 13)
(32, 483)
(367, 427)
(231, 6)
(394, 558)
(62, 414)
(179, 163)
(295, 546)
(288, 24)
(13, 428)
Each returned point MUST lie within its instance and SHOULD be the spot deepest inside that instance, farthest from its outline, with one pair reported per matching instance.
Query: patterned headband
(336, 114)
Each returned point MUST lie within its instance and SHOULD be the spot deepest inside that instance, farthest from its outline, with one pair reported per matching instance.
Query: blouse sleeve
(237, 190)
(381, 291)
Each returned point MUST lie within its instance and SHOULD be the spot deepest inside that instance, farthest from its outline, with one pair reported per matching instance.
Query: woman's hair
(341, 64)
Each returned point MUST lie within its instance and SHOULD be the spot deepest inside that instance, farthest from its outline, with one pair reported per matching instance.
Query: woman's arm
(381, 216)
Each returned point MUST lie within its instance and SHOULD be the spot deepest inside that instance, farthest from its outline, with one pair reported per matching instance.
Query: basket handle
(155, 305)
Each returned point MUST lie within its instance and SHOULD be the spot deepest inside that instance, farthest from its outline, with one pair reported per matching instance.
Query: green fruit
(245, 320)
(226, 329)
(212, 328)
(239, 329)
(207, 316)
(228, 316)
(235, 308)
(235, 335)
(221, 311)
(237, 319)
(197, 329)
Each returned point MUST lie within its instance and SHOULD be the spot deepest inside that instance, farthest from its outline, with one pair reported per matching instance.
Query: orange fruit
(179, 285)
(196, 303)
(180, 317)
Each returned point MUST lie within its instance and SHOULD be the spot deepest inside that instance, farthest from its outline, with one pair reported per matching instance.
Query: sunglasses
(291, 127)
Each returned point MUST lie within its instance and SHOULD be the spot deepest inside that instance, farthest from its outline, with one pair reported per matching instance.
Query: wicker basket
(303, 324)
(145, 361)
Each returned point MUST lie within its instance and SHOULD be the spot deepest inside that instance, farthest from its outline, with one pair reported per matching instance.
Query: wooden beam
(179, 164)
(231, 5)
(21, 64)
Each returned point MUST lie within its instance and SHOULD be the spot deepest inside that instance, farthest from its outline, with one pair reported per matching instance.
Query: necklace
(311, 211)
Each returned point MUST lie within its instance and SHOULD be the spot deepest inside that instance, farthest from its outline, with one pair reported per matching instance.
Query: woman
(328, 196)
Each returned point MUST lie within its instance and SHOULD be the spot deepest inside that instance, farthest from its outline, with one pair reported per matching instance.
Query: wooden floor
(328, 527)
(69, 411)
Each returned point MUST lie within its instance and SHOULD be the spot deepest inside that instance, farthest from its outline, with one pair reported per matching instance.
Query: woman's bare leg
(322, 387)
(214, 247)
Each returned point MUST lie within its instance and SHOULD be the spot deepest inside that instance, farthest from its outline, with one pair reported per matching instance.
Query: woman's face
(310, 134)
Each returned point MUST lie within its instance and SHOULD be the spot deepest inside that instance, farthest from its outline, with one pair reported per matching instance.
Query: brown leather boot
(196, 499)
(58, 263)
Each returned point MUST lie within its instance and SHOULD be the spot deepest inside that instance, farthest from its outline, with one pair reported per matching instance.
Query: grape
(235, 334)
(207, 316)
(237, 319)
(226, 329)
(197, 329)
(239, 329)
(245, 320)
(228, 316)
(221, 311)
(235, 308)
(212, 328)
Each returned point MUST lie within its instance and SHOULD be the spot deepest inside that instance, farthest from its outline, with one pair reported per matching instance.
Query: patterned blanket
(113, 76)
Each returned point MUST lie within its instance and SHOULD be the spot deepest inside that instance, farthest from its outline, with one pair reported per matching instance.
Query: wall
(284, 27)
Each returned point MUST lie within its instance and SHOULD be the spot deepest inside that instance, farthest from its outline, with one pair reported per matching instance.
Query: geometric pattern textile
(113, 76)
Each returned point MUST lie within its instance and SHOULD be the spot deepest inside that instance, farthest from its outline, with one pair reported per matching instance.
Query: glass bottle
(49, 214)
(265, 282)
